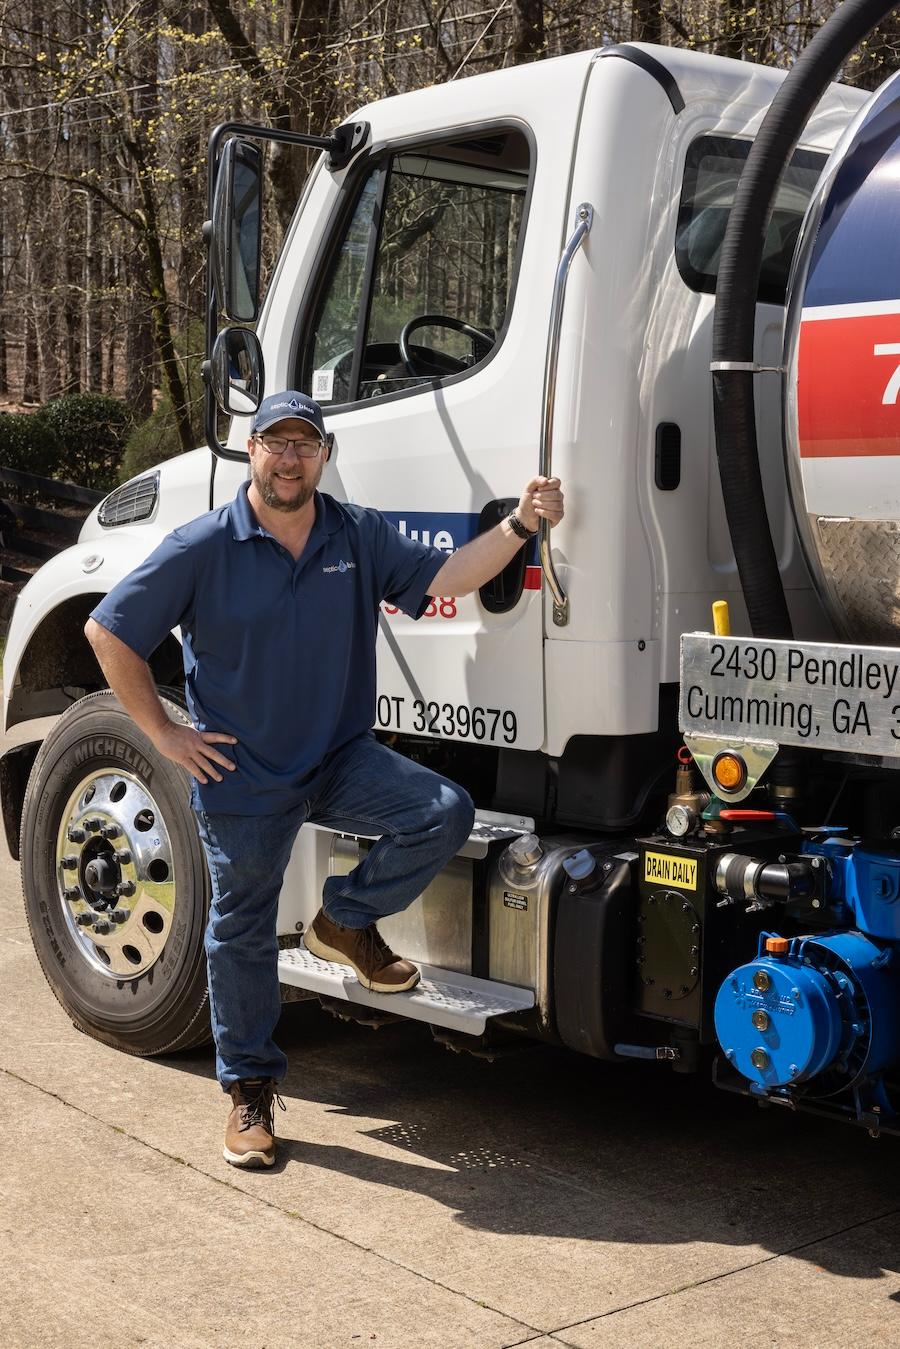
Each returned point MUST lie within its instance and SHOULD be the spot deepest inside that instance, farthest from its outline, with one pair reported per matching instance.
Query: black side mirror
(236, 230)
(236, 372)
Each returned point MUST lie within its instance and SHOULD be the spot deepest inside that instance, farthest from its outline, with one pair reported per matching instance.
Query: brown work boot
(365, 951)
(250, 1131)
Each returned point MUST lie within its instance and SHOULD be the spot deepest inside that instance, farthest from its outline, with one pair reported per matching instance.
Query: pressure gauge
(679, 820)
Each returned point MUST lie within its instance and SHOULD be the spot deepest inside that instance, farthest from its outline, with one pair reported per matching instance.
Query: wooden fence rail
(31, 532)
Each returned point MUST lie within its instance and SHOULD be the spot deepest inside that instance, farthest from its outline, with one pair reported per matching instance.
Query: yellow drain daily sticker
(681, 871)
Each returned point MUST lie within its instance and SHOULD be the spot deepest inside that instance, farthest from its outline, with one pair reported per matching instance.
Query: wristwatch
(518, 528)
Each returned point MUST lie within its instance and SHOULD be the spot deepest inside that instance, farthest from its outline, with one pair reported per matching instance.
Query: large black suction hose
(738, 282)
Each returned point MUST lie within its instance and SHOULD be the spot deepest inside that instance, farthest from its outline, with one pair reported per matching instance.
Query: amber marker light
(729, 771)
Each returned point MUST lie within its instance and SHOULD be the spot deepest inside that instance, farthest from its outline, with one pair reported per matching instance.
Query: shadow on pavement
(547, 1143)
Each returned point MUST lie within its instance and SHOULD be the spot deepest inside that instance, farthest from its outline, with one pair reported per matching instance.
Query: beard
(266, 489)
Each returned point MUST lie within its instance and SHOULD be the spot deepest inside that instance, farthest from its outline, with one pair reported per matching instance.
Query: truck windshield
(711, 172)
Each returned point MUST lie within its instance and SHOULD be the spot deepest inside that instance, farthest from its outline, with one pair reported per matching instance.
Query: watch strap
(518, 528)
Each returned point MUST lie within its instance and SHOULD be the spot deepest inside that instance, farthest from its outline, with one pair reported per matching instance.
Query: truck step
(442, 997)
(490, 826)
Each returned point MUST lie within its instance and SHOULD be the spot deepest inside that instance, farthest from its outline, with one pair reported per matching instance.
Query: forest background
(105, 109)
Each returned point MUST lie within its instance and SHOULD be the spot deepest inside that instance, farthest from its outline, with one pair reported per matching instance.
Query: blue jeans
(423, 819)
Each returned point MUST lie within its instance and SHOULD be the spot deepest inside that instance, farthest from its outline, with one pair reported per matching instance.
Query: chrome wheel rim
(115, 874)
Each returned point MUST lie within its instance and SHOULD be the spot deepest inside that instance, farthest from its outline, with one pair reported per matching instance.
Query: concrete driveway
(420, 1199)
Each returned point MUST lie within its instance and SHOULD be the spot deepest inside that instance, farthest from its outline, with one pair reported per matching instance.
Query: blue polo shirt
(280, 654)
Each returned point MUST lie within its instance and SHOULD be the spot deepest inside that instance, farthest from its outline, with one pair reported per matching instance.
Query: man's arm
(480, 560)
(131, 681)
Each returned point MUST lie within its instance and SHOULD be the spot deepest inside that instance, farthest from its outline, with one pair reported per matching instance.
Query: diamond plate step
(490, 827)
(442, 997)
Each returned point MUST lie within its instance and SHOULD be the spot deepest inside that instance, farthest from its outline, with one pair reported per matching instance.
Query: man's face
(286, 482)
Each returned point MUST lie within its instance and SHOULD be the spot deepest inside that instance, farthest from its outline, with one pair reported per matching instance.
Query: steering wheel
(479, 337)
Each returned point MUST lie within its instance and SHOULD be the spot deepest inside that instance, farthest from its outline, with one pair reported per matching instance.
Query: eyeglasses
(305, 448)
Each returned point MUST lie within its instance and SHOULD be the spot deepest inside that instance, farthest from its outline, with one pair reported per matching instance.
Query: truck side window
(711, 172)
(421, 281)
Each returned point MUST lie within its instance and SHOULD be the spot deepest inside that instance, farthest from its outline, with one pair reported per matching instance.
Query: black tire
(138, 981)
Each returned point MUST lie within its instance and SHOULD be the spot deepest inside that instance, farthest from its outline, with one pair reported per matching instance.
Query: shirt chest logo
(341, 567)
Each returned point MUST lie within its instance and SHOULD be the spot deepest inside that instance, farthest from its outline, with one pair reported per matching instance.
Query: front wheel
(115, 883)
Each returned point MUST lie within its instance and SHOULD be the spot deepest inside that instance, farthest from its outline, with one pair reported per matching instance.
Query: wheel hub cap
(115, 873)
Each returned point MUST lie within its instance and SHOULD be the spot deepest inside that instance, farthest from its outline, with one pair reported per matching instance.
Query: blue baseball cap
(291, 403)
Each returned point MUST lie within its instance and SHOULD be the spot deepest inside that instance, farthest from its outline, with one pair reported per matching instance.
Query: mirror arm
(341, 147)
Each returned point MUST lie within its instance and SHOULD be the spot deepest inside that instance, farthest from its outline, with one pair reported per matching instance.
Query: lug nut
(123, 857)
(126, 888)
(75, 835)
(92, 825)
(110, 831)
(84, 919)
(69, 863)
(72, 892)
(102, 927)
(119, 915)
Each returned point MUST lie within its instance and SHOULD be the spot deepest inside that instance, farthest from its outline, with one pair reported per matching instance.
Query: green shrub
(28, 443)
(93, 429)
(151, 442)
(157, 439)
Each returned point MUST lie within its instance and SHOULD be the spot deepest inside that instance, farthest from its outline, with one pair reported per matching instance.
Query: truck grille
(133, 501)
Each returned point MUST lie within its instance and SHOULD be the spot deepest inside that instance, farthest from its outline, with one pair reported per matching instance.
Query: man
(277, 596)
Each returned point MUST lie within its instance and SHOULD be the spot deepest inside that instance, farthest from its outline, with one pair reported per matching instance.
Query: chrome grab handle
(584, 217)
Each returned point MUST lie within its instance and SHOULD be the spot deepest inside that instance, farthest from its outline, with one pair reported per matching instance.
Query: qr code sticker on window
(322, 385)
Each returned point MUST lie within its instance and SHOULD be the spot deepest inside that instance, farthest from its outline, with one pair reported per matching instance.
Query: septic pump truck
(515, 272)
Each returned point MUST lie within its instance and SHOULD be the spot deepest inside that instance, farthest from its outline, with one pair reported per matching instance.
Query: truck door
(422, 331)
(405, 349)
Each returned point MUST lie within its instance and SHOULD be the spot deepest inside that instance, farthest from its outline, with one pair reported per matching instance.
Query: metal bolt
(685, 908)
(102, 927)
(684, 989)
(110, 831)
(84, 919)
(75, 835)
(667, 992)
(126, 888)
(72, 892)
(795, 994)
(759, 1058)
(695, 927)
(761, 981)
(816, 863)
(119, 915)
(694, 971)
(123, 856)
(761, 1020)
(817, 903)
(695, 950)
(92, 825)
(69, 863)
(793, 1070)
